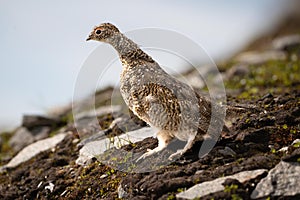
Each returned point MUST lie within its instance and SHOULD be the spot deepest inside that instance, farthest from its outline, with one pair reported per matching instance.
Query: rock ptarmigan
(156, 97)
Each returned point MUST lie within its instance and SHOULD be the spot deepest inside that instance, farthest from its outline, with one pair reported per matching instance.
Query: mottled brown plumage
(155, 96)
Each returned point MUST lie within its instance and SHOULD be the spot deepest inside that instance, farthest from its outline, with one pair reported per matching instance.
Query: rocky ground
(49, 157)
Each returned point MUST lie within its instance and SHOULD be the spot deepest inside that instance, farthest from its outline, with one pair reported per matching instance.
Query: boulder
(282, 181)
(210, 187)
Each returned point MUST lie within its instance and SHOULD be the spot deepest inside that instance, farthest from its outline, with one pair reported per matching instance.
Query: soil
(278, 127)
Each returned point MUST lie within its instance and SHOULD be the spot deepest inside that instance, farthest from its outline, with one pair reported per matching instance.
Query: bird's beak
(89, 38)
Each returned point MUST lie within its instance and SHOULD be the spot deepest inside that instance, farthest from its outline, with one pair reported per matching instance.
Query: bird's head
(103, 33)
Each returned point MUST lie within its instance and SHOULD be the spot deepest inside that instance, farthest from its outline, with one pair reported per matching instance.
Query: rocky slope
(49, 157)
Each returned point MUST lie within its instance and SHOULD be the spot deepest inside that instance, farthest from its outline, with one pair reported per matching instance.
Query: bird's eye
(98, 32)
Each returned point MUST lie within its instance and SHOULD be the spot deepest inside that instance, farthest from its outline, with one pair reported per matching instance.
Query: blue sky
(43, 42)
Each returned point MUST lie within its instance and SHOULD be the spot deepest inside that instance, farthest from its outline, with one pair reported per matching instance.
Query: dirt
(259, 136)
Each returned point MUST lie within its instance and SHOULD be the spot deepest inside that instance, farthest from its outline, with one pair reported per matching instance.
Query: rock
(194, 79)
(238, 70)
(95, 137)
(283, 149)
(227, 151)
(121, 192)
(87, 123)
(50, 187)
(30, 121)
(103, 176)
(209, 187)
(231, 181)
(282, 180)
(93, 131)
(34, 149)
(96, 148)
(40, 132)
(20, 139)
(286, 43)
(103, 110)
(261, 135)
(296, 141)
(24, 137)
(293, 157)
(87, 126)
(127, 123)
(1, 142)
(255, 58)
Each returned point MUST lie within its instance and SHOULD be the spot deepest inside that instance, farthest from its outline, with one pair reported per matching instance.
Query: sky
(43, 45)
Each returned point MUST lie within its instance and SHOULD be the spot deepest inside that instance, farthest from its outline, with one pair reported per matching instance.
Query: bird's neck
(128, 51)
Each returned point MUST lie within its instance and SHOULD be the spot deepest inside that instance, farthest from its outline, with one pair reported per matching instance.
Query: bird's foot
(147, 154)
(176, 155)
(163, 138)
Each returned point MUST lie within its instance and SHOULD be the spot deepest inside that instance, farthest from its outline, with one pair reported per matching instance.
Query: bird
(170, 106)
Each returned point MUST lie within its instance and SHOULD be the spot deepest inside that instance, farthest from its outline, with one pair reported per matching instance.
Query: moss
(273, 76)
(231, 188)
(68, 118)
(171, 197)
(90, 183)
(296, 145)
(273, 150)
(5, 149)
(236, 197)
(181, 189)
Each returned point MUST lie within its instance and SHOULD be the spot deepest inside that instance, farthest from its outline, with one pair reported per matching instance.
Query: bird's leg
(180, 152)
(163, 138)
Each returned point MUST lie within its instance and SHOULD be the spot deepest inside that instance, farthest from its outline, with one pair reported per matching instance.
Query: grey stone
(286, 42)
(30, 121)
(282, 180)
(103, 110)
(238, 70)
(227, 151)
(87, 123)
(96, 148)
(1, 142)
(283, 149)
(255, 58)
(97, 136)
(24, 137)
(210, 187)
(296, 141)
(121, 192)
(103, 176)
(193, 79)
(21, 138)
(125, 123)
(87, 126)
(40, 132)
(34, 149)
(50, 187)
(293, 157)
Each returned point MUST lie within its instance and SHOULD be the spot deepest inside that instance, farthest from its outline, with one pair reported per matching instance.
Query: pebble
(50, 187)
